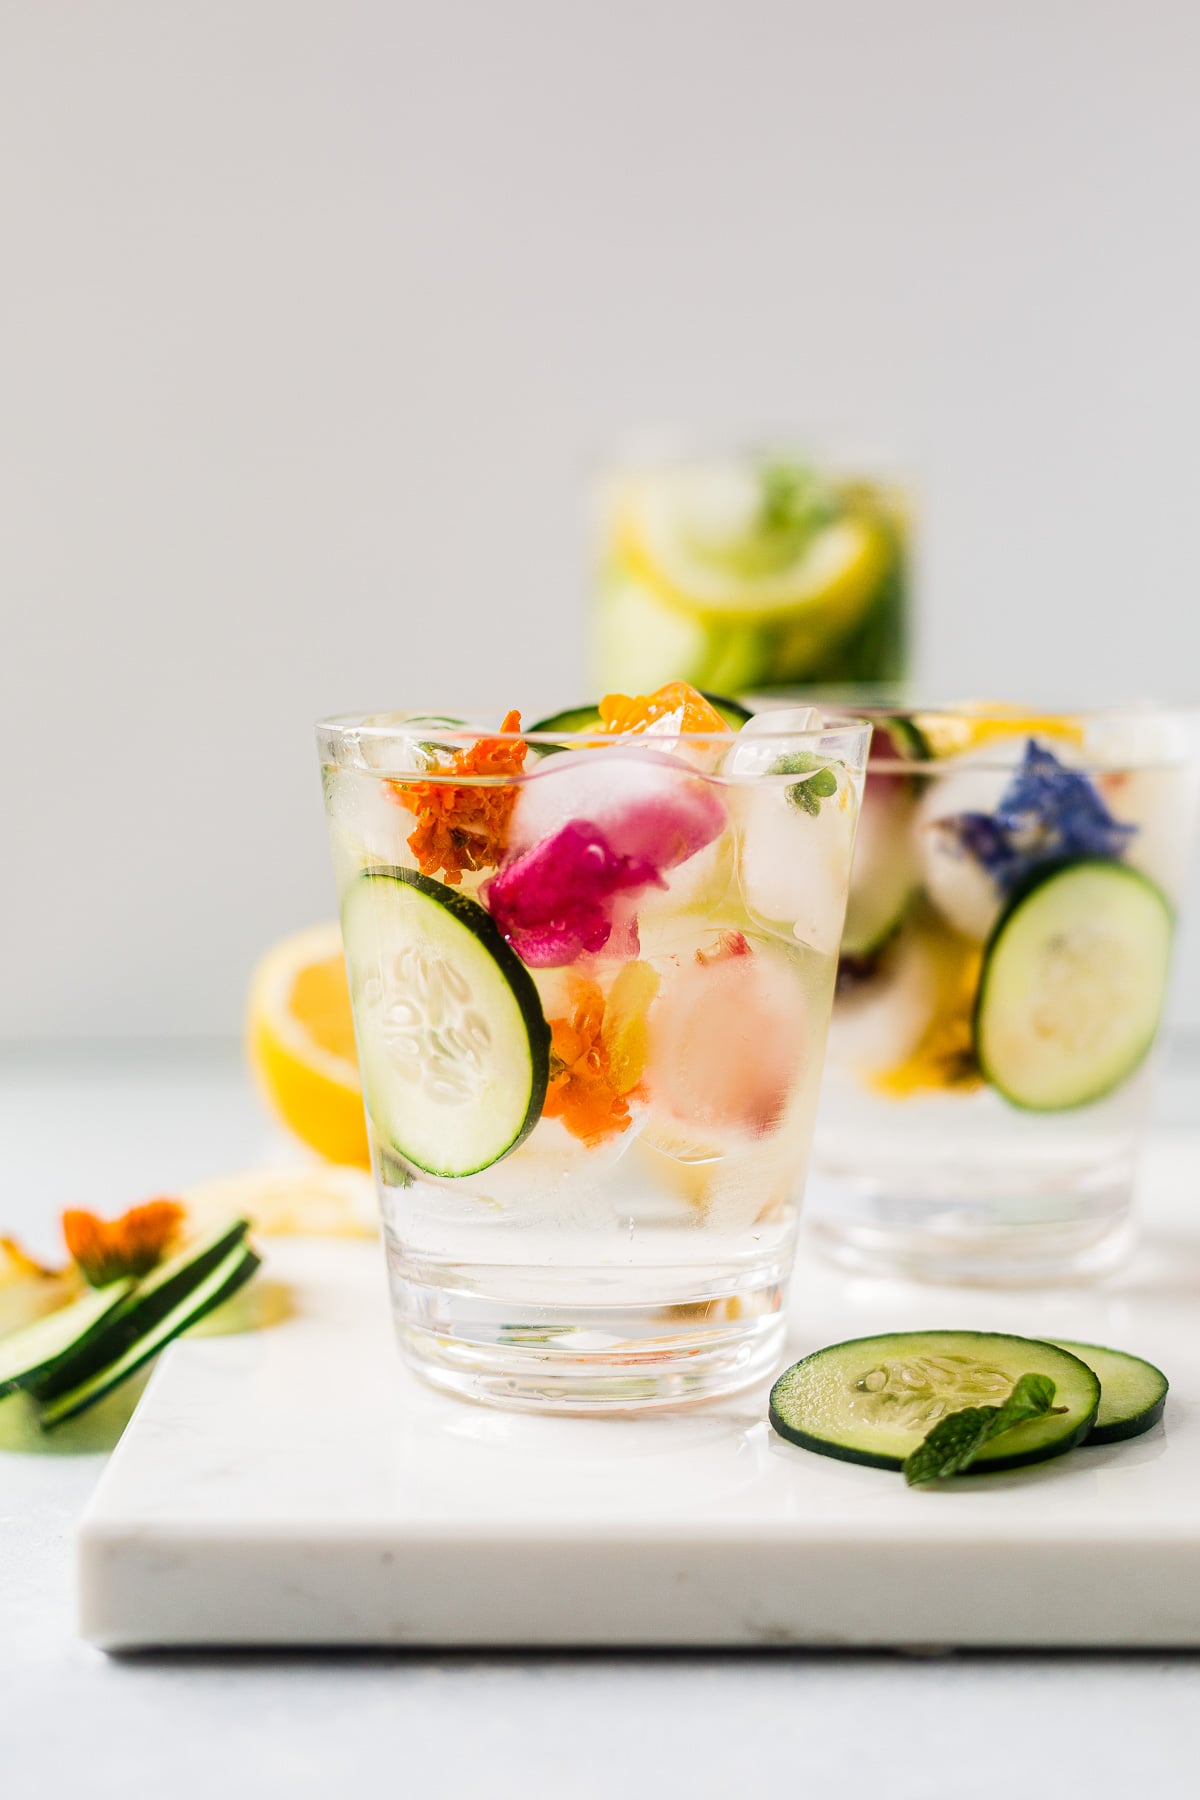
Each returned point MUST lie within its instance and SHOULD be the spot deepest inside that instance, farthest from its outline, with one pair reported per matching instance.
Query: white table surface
(107, 1128)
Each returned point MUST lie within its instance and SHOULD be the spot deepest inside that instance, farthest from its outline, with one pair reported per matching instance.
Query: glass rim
(381, 728)
(987, 732)
(1005, 712)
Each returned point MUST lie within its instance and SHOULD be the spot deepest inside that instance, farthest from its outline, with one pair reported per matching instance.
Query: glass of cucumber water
(1002, 981)
(591, 966)
(747, 572)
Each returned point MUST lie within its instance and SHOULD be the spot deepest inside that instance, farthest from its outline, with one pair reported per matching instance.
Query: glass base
(999, 1241)
(586, 1356)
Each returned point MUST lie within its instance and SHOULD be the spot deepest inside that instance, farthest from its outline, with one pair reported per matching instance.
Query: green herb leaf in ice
(955, 1442)
(820, 783)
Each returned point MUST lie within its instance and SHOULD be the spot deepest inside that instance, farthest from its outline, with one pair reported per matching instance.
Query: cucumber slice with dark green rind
(157, 1294)
(872, 1400)
(587, 718)
(453, 1045)
(1073, 985)
(1133, 1392)
(899, 737)
(884, 876)
(218, 1284)
(574, 718)
(28, 1356)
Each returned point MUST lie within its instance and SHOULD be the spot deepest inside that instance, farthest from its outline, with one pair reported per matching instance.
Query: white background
(314, 315)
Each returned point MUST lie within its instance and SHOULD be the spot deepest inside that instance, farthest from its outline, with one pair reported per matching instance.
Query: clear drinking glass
(748, 571)
(1003, 974)
(591, 978)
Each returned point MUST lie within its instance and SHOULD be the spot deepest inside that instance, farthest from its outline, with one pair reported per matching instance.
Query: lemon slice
(321, 1201)
(300, 1041)
(28, 1291)
(981, 722)
(696, 539)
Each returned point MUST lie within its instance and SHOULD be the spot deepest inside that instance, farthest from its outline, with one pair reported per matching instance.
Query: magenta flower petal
(557, 901)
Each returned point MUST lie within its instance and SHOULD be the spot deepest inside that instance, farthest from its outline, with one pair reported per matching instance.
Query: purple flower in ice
(1047, 813)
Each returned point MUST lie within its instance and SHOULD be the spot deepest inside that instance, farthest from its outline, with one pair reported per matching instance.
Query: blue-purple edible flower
(1047, 813)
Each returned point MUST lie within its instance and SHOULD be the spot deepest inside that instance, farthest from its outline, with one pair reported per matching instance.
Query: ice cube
(372, 828)
(404, 743)
(794, 865)
(643, 803)
(766, 737)
(879, 1021)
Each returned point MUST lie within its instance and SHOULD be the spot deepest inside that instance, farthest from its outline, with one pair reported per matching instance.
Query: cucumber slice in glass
(572, 718)
(1073, 984)
(884, 875)
(1133, 1392)
(874, 1399)
(453, 1044)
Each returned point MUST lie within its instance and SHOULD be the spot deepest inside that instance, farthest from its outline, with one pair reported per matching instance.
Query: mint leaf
(1031, 1397)
(821, 783)
(955, 1442)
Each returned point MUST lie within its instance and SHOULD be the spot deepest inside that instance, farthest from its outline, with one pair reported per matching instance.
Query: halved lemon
(695, 538)
(318, 1201)
(28, 1291)
(978, 723)
(300, 1041)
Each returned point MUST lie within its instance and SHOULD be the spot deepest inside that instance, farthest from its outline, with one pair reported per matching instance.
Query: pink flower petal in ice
(648, 806)
(557, 901)
(624, 943)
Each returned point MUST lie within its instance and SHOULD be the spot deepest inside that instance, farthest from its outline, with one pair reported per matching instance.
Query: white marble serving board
(296, 1485)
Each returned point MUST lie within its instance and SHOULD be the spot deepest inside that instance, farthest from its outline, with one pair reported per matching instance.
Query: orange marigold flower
(108, 1249)
(582, 1091)
(463, 827)
(641, 712)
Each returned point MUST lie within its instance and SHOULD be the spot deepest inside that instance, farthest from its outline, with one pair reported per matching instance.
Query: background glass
(748, 571)
(1002, 980)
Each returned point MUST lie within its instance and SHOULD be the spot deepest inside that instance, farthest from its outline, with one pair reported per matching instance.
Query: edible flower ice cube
(463, 827)
(625, 1034)
(1047, 813)
(727, 1037)
(669, 710)
(565, 890)
(582, 1091)
(555, 902)
(797, 834)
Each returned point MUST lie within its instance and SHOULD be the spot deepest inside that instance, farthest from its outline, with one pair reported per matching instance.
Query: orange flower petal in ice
(582, 1091)
(108, 1249)
(729, 943)
(463, 827)
(676, 707)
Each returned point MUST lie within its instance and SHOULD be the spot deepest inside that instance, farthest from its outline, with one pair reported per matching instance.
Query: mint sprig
(956, 1441)
(821, 782)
